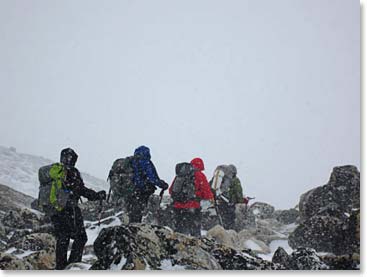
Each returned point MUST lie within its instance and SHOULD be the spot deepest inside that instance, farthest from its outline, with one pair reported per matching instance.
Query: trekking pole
(216, 210)
(159, 205)
(109, 195)
(100, 211)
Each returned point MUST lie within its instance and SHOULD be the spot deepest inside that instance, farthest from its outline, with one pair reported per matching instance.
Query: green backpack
(52, 196)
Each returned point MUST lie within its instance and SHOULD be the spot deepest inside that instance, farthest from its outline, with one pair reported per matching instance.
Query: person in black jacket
(68, 224)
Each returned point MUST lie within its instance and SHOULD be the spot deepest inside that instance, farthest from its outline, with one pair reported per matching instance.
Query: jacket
(202, 187)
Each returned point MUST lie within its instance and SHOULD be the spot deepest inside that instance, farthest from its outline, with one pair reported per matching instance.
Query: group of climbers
(132, 181)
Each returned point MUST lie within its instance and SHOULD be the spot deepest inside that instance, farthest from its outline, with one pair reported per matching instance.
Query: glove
(164, 185)
(101, 195)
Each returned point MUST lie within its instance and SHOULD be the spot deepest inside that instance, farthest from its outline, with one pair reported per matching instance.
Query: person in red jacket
(188, 213)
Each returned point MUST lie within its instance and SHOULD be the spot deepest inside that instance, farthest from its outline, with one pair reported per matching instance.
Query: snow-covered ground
(20, 172)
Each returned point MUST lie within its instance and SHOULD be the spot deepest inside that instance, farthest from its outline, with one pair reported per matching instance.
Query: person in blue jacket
(146, 180)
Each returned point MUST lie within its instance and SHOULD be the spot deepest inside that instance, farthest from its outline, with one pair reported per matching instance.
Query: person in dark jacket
(146, 180)
(188, 213)
(68, 223)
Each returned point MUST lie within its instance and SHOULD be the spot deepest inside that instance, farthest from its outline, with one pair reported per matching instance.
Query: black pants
(227, 211)
(69, 224)
(136, 205)
(188, 221)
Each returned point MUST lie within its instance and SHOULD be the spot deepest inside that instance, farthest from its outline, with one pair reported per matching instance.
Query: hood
(68, 157)
(198, 164)
(142, 152)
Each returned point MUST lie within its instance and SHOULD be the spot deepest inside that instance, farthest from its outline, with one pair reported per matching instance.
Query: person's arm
(81, 190)
(152, 176)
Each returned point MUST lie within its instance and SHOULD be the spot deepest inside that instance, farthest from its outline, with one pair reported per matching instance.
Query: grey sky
(270, 86)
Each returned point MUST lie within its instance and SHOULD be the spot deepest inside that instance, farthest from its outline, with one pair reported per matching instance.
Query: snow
(79, 266)
(24, 253)
(166, 264)
(20, 172)
(119, 265)
(93, 229)
(274, 246)
(252, 245)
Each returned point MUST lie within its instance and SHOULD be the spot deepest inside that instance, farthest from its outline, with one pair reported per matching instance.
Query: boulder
(35, 242)
(10, 262)
(343, 262)
(330, 215)
(245, 218)
(262, 210)
(342, 190)
(300, 259)
(286, 216)
(142, 246)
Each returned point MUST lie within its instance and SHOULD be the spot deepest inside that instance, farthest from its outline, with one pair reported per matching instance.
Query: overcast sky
(270, 86)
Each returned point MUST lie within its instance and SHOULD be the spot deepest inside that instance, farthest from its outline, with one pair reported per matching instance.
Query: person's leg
(78, 247)
(62, 244)
(196, 223)
(62, 236)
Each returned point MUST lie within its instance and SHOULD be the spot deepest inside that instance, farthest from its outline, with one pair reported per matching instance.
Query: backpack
(183, 187)
(52, 196)
(222, 181)
(121, 178)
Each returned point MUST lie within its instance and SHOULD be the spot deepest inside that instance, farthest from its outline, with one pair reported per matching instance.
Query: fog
(270, 86)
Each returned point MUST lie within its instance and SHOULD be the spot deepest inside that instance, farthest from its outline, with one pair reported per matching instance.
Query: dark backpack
(183, 187)
(52, 196)
(121, 178)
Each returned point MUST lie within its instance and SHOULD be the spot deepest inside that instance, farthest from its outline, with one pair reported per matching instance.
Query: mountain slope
(20, 172)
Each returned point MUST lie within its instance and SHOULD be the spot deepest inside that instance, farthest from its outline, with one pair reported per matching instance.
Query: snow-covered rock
(330, 215)
(141, 246)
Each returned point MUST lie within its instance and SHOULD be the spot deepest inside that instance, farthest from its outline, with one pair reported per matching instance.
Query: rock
(13, 219)
(244, 218)
(90, 210)
(300, 259)
(281, 257)
(286, 216)
(329, 215)
(344, 262)
(42, 260)
(35, 242)
(342, 190)
(10, 262)
(142, 246)
(262, 210)
(323, 233)
(228, 238)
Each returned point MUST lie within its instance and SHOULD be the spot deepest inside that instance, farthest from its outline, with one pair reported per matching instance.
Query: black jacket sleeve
(75, 182)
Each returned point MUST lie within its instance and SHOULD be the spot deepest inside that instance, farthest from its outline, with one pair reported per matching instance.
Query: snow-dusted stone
(228, 238)
(262, 210)
(281, 257)
(343, 262)
(42, 260)
(35, 242)
(11, 262)
(13, 220)
(306, 259)
(141, 246)
(330, 215)
(341, 192)
(245, 219)
(286, 216)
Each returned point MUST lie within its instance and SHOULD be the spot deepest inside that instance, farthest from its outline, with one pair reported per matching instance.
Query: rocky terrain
(322, 233)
